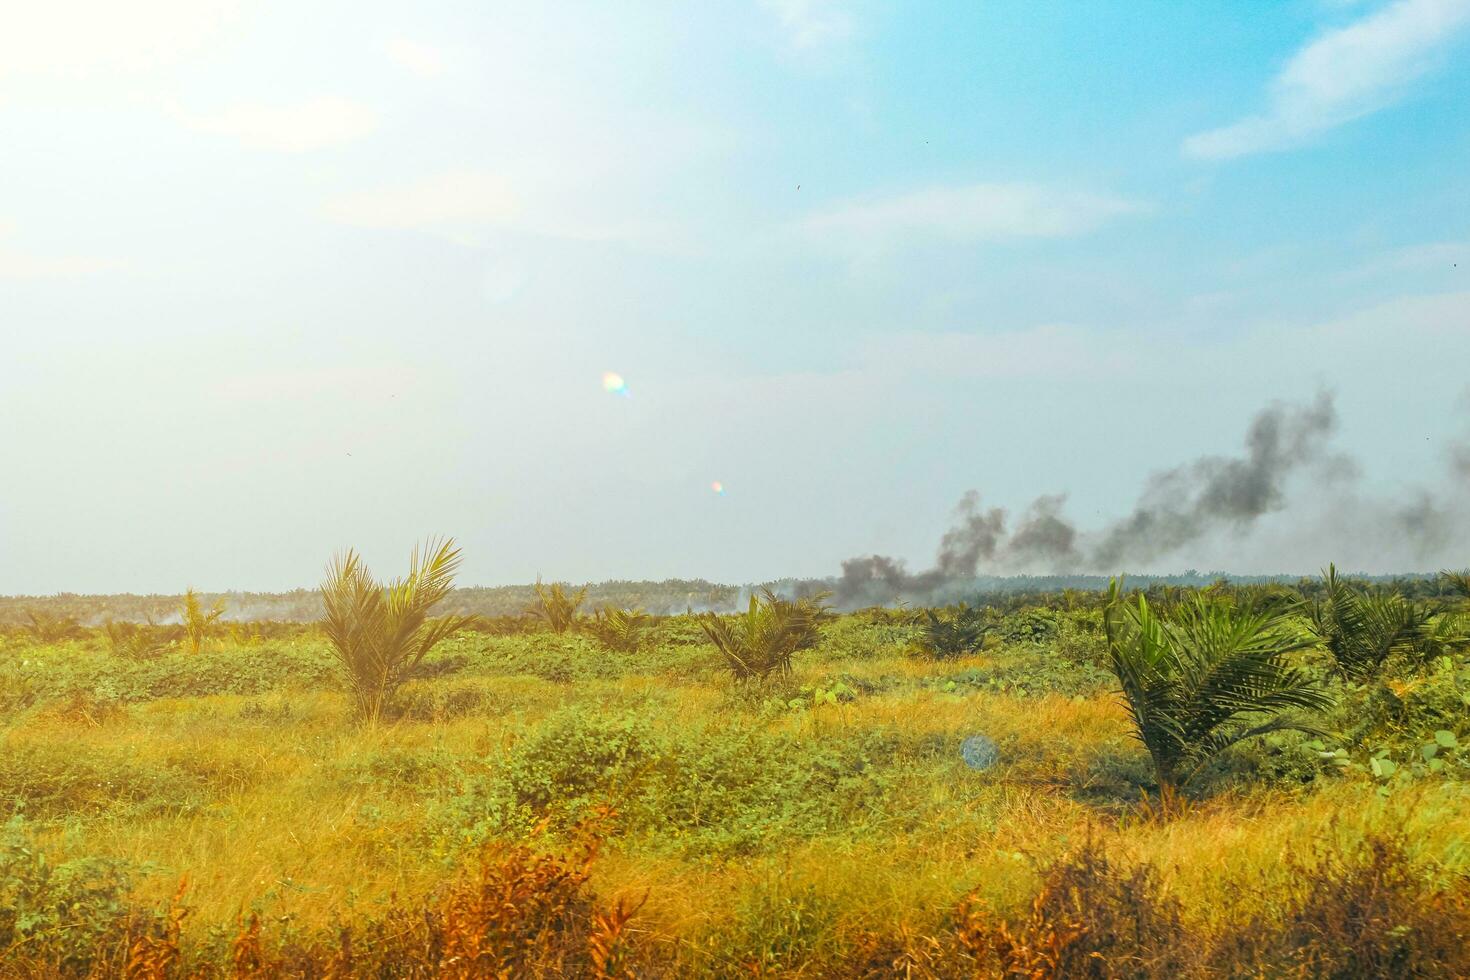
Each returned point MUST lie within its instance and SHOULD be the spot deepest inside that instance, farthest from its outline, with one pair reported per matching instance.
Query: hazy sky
(277, 278)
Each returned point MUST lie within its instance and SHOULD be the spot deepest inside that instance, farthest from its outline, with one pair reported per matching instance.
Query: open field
(823, 823)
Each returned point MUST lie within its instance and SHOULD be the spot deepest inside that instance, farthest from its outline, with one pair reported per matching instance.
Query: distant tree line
(668, 597)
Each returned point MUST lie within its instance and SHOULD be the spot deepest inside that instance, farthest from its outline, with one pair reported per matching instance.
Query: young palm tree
(617, 629)
(556, 606)
(132, 640)
(760, 642)
(1459, 582)
(1213, 674)
(380, 632)
(951, 634)
(809, 612)
(47, 628)
(1363, 628)
(198, 624)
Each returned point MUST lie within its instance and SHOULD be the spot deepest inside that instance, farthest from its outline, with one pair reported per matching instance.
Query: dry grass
(305, 820)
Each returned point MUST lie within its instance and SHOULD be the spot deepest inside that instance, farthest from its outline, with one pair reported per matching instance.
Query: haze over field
(1167, 285)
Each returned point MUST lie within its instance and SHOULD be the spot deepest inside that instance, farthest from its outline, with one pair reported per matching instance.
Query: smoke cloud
(1181, 505)
(1177, 508)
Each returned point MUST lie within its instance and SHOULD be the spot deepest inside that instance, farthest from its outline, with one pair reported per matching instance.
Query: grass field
(821, 824)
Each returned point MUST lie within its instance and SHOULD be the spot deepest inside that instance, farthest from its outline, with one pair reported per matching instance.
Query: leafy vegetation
(620, 630)
(48, 628)
(198, 624)
(1213, 674)
(825, 821)
(380, 633)
(557, 606)
(133, 641)
(1362, 628)
(761, 642)
(951, 633)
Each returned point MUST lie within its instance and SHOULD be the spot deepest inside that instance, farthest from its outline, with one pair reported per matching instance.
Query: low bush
(50, 780)
(518, 911)
(439, 703)
(1035, 625)
(59, 919)
(708, 790)
(1360, 910)
(1091, 918)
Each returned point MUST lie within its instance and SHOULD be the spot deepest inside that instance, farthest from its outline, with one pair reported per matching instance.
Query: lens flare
(718, 487)
(615, 384)
(979, 752)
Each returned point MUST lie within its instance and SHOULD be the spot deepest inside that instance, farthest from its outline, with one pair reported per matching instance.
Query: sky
(281, 278)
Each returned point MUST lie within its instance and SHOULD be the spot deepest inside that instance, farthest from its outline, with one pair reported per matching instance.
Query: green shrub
(60, 915)
(55, 780)
(1036, 625)
(1420, 725)
(1027, 675)
(1080, 639)
(951, 633)
(860, 638)
(50, 674)
(707, 790)
(423, 702)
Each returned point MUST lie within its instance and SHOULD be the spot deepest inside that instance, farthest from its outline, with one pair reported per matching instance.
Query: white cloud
(1341, 76)
(295, 128)
(417, 57)
(444, 203)
(80, 39)
(975, 212)
(811, 23)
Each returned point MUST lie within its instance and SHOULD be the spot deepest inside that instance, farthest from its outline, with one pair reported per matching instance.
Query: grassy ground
(815, 827)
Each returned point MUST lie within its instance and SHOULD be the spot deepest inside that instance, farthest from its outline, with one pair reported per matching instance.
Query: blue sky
(280, 278)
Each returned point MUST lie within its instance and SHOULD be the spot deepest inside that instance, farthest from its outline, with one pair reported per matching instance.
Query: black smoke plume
(1176, 508)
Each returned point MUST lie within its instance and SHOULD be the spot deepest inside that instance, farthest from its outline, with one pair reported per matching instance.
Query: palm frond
(381, 632)
(761, 641)
(1362, 628)
(557, 606)
(1212, 674)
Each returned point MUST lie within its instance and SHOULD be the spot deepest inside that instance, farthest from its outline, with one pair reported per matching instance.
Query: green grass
(778, 827)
